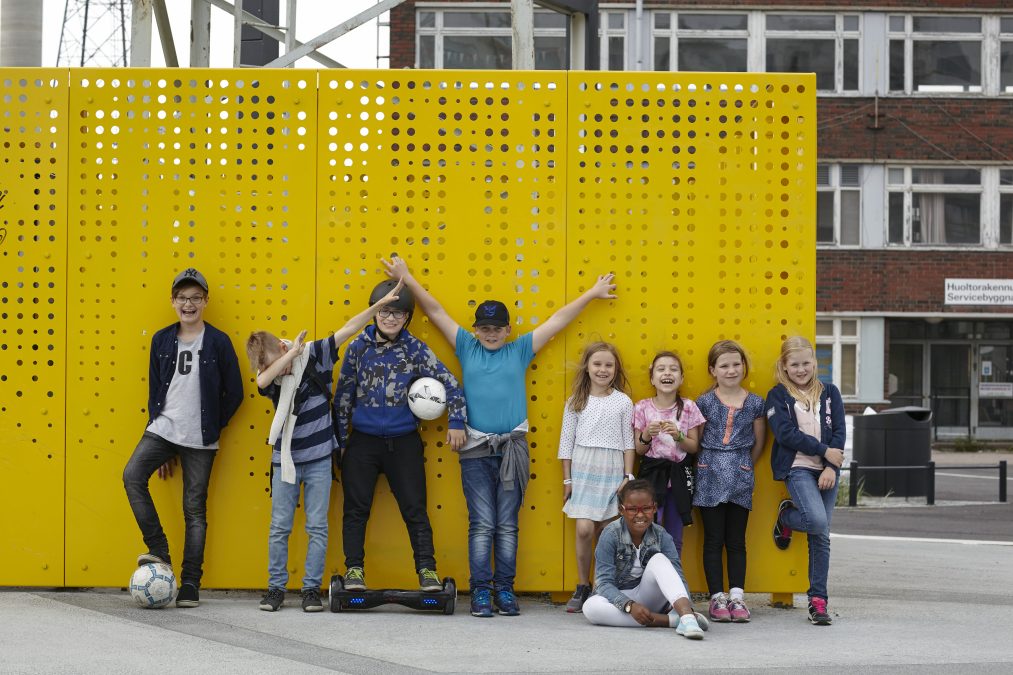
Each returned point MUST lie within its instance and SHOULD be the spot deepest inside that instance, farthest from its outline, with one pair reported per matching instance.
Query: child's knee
(597, 608)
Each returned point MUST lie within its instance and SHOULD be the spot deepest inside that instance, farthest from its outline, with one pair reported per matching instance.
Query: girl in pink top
(667, 430)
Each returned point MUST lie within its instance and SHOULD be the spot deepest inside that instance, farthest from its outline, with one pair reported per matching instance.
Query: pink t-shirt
(664, 446)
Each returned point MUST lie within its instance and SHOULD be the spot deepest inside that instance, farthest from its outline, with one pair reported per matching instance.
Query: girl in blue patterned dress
(732, 440)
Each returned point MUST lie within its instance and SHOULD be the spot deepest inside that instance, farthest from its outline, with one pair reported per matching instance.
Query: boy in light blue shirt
(494, 459)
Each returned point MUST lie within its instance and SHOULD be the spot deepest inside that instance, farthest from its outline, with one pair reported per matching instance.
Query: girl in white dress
(597, 450)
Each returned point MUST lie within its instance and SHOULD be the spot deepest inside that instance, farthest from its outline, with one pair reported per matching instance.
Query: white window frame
(605, 32)
(1003, 38)
(439, 31)
(834, 185)
(839, 35)
(986, 190)
(1002, 190)
(836, 342)
(674, 33)
(989, 37)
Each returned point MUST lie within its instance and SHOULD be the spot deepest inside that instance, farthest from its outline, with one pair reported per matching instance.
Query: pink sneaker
(718, 610)
(738, 611)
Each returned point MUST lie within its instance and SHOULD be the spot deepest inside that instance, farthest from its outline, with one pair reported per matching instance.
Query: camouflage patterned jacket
(372, 391)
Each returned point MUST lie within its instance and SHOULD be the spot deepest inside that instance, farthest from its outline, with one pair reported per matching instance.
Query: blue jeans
(812, 513)
(152, 452)
(315, 477)
(492, 524)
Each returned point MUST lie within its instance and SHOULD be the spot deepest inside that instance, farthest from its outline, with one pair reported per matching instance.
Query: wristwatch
(630, 476)
(628, 607)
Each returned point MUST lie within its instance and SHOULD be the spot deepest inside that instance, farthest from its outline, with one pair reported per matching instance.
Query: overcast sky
(355, 50)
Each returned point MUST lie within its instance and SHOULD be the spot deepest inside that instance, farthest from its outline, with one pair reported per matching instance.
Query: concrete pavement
(899, 607)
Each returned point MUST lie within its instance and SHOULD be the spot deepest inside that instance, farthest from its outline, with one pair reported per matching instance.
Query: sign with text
(995, 390)
(978, 292)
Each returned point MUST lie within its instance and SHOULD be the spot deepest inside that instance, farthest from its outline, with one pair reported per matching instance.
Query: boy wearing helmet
(372, 398)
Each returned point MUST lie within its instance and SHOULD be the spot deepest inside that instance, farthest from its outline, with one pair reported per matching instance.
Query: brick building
(915, 203)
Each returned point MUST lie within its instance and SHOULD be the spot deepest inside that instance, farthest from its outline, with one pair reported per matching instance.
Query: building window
(935, 54)
(938, 206)
(483, 39)
(837, 353)
(1005, 207)
(701, 42)
(838, 204)
(1006, 55)
(826, 44)
(613, 40)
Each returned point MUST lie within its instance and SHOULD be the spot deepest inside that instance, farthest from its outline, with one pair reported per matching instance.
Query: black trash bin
(894, 437)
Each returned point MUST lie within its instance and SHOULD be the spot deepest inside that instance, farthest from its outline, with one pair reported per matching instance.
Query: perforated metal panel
(175, 169)
(461, 174)
(697, 190)
(33, 276)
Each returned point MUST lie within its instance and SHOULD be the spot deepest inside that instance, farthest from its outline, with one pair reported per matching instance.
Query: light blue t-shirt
(494, 382)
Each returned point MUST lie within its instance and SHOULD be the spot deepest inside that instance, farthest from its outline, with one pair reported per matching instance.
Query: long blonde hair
(582, 381)
(809, 395)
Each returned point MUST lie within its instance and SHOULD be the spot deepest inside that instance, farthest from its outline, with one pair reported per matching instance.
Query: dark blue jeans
(812, 513)
(492, 524)
(152, 452)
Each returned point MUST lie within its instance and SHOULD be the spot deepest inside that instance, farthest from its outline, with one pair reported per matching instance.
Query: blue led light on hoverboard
(428, 601)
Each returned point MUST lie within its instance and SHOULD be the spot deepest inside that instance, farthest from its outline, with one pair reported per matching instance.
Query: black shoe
(355, 579)
(429, 581)
(818, 614)
(311, 600)
(187, 596)
(782, 533)
(273, 600)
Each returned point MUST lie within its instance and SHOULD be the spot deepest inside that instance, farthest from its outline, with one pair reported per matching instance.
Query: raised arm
(266, 376)
(356, 323)
(397, 268)
(602, 289)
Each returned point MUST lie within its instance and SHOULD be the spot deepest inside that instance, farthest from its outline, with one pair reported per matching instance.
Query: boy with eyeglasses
(194, 388)
(372, 397)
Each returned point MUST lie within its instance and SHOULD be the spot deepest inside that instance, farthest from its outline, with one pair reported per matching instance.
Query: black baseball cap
(190, 275)
(492, 313)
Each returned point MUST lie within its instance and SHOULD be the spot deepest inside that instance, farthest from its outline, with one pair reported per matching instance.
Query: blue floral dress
(724, 466)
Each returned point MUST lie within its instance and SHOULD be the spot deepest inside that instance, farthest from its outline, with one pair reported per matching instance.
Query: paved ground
(899, 606)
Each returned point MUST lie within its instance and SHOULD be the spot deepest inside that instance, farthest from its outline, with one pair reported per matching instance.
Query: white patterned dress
(594, 440)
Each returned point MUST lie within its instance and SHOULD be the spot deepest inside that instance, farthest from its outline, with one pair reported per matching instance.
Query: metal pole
(165, 34)
(200, 34)
(523, 23)
(290, 12)
(21, 33)
(930, 483)
(853, 485)
(237, 35)
(1002, 481)
(140, 34)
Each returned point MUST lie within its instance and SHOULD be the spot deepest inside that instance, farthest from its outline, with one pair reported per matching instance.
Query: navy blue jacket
(789, 439)
(221, 384)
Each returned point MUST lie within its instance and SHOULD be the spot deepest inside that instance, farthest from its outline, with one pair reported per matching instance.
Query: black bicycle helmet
(405, 300)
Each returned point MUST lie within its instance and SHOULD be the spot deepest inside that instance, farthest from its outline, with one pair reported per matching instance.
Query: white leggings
(659, 584)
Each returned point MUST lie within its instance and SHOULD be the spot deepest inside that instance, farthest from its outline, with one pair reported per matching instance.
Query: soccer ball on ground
(153, 585)
(427, 398)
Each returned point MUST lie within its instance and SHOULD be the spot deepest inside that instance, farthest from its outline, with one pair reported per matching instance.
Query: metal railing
(930, 477)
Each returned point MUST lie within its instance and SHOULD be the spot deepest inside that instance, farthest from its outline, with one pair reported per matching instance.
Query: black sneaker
(311, 600)
(150, 557)
(782, 533)
(576, 604)
(506, 603)
(273, 600)
(818, 614)
(429, 581)
(187, 596)
(481, 603)
(355, 579)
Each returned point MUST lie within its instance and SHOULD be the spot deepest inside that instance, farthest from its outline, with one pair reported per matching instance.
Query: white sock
(736, 594)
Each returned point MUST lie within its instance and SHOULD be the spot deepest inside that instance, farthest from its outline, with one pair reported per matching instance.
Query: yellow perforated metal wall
(286, 188)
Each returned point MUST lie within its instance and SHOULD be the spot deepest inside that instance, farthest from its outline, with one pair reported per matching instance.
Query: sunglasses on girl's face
(649, 509)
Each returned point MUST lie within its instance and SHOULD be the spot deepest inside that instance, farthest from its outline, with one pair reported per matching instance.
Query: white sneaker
(689, 628)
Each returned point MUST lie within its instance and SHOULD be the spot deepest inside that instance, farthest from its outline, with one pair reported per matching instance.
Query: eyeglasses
(392, 314)
(649, 509)
(196, 300)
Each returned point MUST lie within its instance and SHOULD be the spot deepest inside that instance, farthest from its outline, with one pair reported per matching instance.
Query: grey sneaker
(580, 596)
(311, 600)
(272, 600)
(429, 581)
(355, 579)
(146, 558)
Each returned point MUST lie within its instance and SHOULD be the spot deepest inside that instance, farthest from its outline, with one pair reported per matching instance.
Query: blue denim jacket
(613, 559)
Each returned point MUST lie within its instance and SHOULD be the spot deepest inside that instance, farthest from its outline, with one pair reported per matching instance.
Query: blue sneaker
(506, 603)
(481, 603)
